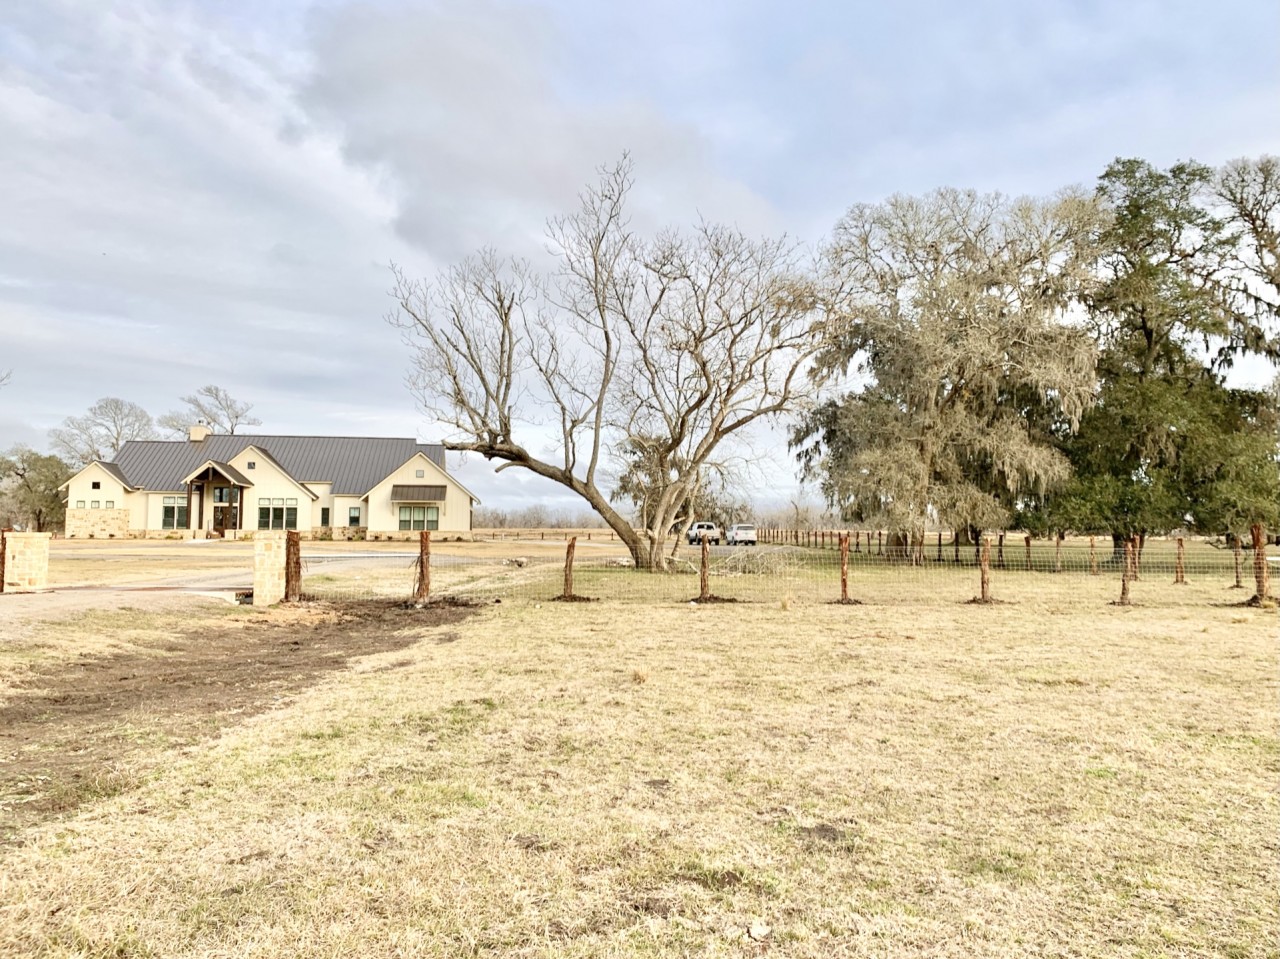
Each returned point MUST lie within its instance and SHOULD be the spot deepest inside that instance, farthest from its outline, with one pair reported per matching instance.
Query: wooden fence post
(568, 567)
(1261, 574)
(704, 573)
(844, 568)
(1124, 573)
(985, 563)
(1133, 557)
(4, 549)
(1000, 552)
(1026, 541)
(292, 567)
(1057, 553)
(1180, 564)
(1093, 557)
(939, 546)
(423, 588)
(1239, 557)
(879, 542)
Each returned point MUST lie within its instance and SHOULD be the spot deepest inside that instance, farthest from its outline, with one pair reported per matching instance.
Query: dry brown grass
(930, 779)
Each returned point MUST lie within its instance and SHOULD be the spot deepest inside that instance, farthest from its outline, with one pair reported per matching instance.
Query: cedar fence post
(292, 567)
(704, 573)
(955, 546)
(1180, 565)
(1026, 540)
(844, 568)
(568, 567)
(985, 563)
(1000, 552)
(4, 548)
(1057, 553)
(857, 541)
(1133, 557)
(1093, 558)
(939, 546)
(879, 542)
(423, 589)
(1239, 557)
(1124, 573)
(1261, 575)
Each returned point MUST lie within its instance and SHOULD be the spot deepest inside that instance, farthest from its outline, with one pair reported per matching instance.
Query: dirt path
(91, 728)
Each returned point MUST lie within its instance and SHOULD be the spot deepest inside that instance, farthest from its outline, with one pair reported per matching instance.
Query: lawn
(1049, 777)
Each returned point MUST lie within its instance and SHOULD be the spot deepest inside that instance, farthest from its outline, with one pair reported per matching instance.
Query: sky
(213, 192)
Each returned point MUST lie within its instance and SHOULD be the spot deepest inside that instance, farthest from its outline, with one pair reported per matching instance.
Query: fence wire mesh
(532, 569)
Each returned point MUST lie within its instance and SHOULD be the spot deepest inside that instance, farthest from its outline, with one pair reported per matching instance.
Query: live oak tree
(101, 431)
(213, 406)
(685, 339)
(1176, 306)
(29, 493)
(950, 309)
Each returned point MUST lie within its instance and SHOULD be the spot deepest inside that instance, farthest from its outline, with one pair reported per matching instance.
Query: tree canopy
(29, 493)
(951, 308)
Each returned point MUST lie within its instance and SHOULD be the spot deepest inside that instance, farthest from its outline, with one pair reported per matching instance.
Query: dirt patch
(90, 728)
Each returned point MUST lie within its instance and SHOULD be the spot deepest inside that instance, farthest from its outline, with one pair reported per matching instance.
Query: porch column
(189, 526)
(244, 504)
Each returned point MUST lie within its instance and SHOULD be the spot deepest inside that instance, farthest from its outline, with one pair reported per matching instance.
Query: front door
(224, 518)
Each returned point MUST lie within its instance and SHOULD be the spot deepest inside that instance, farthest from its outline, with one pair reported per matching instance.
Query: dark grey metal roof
(114, 471)
(353, 464)
(226, 469)
(417, 494)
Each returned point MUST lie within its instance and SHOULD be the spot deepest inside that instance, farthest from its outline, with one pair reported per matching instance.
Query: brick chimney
(198, 432)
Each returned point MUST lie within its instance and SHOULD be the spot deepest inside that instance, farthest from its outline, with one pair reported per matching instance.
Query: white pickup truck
(698, 530)
(741, 534)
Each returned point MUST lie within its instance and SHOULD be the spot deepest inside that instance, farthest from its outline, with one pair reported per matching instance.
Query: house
(341, 487)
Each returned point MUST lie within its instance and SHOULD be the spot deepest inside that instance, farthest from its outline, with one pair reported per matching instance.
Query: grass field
(913, 777)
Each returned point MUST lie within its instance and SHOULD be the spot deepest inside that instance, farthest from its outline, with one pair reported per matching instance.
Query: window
(95, 504)
(353, 516)
(273, 514)
(79, 504)
(419, 517)
(175, 513)
(96, 484)
(324, 516)
(111, 504)
(419, 473)
(251, 465)
(226, 494)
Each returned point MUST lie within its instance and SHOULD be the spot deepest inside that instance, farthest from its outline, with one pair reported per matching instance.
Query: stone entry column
(26, 562)
(268, 568)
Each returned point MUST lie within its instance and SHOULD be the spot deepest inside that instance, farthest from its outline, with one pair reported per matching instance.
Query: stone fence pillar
(268, 568)
(26, 562)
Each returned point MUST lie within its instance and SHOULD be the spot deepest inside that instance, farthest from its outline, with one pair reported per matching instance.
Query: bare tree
(4, 378)
(212, 406)
(99, 434)
(683, 339)
(1250, 189)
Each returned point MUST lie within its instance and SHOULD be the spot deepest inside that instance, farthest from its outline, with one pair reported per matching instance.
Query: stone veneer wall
(268, 568)
(26, 562)
(97, 523)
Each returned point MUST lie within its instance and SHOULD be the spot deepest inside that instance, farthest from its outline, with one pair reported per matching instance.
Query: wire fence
(1073, 571)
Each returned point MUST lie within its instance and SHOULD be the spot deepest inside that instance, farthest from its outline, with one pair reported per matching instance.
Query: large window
(324, 516)
(277, 513)
(175, 513)
(353, 516)
(419, 517)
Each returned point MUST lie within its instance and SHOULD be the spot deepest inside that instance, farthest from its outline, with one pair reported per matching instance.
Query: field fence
(1072, 571)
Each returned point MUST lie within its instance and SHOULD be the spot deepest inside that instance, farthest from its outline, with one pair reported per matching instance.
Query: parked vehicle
(741, 534)
(698, 530)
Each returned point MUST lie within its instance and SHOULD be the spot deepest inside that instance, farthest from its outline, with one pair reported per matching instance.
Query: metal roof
(417, 494)
(226, 469)
(353, 464)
